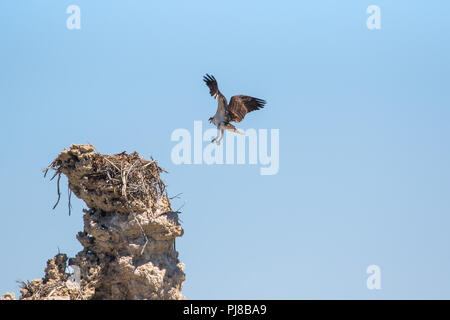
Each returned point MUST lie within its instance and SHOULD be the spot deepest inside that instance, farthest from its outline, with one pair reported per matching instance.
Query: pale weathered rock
(8, 296)
(128, 237)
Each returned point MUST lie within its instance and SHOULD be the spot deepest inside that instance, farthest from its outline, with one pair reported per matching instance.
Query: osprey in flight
(235, 111)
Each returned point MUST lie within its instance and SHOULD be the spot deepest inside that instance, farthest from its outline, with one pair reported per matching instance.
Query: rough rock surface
(8, 296)
(128, 237)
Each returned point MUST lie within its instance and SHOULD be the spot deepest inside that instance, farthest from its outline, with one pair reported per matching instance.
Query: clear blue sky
(364, 119)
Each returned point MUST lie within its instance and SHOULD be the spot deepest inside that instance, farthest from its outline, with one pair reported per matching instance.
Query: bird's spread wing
(240, 105)
(212, 85)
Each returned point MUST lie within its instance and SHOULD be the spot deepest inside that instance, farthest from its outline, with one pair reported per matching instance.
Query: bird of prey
(234, 111)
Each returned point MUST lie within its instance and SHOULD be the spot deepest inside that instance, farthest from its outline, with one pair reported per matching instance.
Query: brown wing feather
(212, 85)
(240, 105)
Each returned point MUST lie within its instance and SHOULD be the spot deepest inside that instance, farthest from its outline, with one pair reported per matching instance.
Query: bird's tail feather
(228, 126)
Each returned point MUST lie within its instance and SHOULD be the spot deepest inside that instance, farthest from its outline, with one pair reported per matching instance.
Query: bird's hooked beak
(211, 120)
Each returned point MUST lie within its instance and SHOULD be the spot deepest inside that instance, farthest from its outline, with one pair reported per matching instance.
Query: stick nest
(121, 182)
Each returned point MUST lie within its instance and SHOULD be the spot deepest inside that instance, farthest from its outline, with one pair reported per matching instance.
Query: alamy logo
(256, 142)
(74, 20)
(374, 280)
(374, 20)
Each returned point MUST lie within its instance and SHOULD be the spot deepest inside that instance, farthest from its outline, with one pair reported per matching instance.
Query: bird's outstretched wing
(240, 105)
(212, 85)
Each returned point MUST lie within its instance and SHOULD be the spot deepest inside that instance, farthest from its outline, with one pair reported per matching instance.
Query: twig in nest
(125, 178)
(131, 167)
(70, 196)
(59, 192)
(56, 173)
(47, 169)
(145, 165)
(176, 196)
(124, 182)
(80, 294)
(54, 289)
(178, 211)
(111, 163)
(23, 284)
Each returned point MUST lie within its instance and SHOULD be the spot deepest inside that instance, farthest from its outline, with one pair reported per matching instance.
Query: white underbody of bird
(234, 111)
